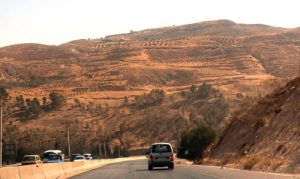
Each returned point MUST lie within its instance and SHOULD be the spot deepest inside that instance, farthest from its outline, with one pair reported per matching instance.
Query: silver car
(160, 155)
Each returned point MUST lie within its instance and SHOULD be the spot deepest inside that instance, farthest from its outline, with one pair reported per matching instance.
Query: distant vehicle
(160, 155)
(79, 158)
(31, 159)
(88, 156)
(73, 157)
(53, 156)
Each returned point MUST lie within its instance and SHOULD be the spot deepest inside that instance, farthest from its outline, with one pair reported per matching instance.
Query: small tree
(116, 153)
(3, 93)
(126, 101)
(77, 103)
(193, 89)
(203, 91)
(35, 107)
(22, 101)
(194, 142)
(44, 100)
(57, 100)
(139, 100)
(239, 95)
(18, 100)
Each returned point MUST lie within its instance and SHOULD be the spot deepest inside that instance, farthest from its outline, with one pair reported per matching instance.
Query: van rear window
(29, 158)
(161, 148)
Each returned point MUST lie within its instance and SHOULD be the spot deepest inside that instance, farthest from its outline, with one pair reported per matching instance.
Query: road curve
(138, 169)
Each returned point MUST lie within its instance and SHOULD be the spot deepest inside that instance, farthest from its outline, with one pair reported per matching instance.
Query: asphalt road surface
(138, 170)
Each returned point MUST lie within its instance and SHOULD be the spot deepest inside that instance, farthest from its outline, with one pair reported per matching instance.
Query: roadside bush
(249, 163)
(194, 142)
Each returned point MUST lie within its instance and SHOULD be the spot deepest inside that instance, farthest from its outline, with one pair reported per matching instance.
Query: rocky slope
(267, 133)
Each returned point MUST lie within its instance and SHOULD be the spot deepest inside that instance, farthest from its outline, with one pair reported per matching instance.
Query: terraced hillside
(99, 73)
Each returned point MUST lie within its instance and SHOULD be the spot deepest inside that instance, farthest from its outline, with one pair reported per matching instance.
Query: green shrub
(3, 93)
(194, 142)
(57, 100)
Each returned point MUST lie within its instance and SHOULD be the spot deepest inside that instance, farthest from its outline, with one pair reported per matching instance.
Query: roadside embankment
(57, 170)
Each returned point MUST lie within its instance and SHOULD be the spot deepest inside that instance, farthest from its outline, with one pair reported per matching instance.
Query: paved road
(138, 169)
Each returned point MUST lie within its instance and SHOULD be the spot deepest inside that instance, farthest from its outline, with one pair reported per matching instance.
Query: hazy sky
(59, 21)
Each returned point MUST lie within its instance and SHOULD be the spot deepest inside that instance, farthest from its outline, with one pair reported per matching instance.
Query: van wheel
(150, 167)
(171, 167)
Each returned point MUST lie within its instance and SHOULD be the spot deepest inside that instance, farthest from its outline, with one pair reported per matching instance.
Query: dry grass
(261, 163)
(250, 162)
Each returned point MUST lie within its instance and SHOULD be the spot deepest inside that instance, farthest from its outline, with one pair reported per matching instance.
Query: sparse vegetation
(155, 97)
(215, 112)
(202, 92)
(211, 104)
(32, 108)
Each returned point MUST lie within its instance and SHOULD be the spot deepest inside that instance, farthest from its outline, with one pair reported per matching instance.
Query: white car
(79, 158)
(31, 159)
(88, 156)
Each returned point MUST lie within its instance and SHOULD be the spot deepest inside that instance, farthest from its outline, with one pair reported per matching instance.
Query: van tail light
(171, 157)
(152, 157)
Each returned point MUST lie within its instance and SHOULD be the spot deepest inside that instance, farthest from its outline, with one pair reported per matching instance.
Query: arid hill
(96, 74)
(267, 136)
